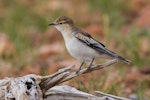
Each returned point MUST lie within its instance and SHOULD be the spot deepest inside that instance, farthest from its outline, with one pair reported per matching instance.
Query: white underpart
(76, 48)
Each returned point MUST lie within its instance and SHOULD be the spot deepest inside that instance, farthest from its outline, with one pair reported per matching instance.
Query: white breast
(78, 49)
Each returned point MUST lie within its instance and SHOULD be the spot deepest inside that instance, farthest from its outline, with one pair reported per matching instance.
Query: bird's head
(62, 23)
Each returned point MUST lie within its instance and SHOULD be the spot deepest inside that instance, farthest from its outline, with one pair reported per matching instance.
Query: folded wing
(89, 41)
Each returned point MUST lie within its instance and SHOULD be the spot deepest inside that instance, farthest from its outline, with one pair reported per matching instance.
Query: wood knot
(28, 84)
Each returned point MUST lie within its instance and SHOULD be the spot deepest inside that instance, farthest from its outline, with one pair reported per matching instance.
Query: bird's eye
(60, 23)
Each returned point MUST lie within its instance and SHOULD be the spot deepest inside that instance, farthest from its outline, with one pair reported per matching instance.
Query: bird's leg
(77, 72)
(90, 65)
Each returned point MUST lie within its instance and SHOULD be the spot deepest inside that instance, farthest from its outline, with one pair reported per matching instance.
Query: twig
(112, 96)
(93, 68)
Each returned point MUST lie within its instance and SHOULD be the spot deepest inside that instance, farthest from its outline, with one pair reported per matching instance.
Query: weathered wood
(21, 88)
(69, 93)
(111, 96)
(35, 87)
(65, 74)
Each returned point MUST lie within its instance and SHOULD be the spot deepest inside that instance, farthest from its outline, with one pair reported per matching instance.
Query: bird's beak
(52, 24)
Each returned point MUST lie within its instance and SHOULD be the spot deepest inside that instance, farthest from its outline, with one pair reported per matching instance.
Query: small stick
(112, 96)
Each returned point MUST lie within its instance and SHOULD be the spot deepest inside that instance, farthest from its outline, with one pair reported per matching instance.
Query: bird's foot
(89, 67)
(91, 64)
(78, 71)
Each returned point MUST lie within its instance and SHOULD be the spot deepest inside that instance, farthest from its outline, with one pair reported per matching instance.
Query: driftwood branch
(70, 93)
(35, 87)
(65, 74)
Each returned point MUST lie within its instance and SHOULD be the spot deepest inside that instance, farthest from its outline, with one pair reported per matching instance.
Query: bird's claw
(78, 71)
(89, 67)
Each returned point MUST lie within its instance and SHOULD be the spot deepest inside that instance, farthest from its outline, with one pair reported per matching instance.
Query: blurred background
(28, 45)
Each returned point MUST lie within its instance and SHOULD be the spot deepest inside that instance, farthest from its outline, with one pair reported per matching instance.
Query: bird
(81, 45)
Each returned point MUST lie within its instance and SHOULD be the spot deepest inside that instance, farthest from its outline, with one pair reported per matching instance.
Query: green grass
(110, 9)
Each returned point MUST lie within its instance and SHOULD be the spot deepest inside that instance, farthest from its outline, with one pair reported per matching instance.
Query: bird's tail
(114, 55)
(123, 60)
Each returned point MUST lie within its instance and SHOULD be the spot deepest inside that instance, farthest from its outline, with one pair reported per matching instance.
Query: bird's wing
(89, 41)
